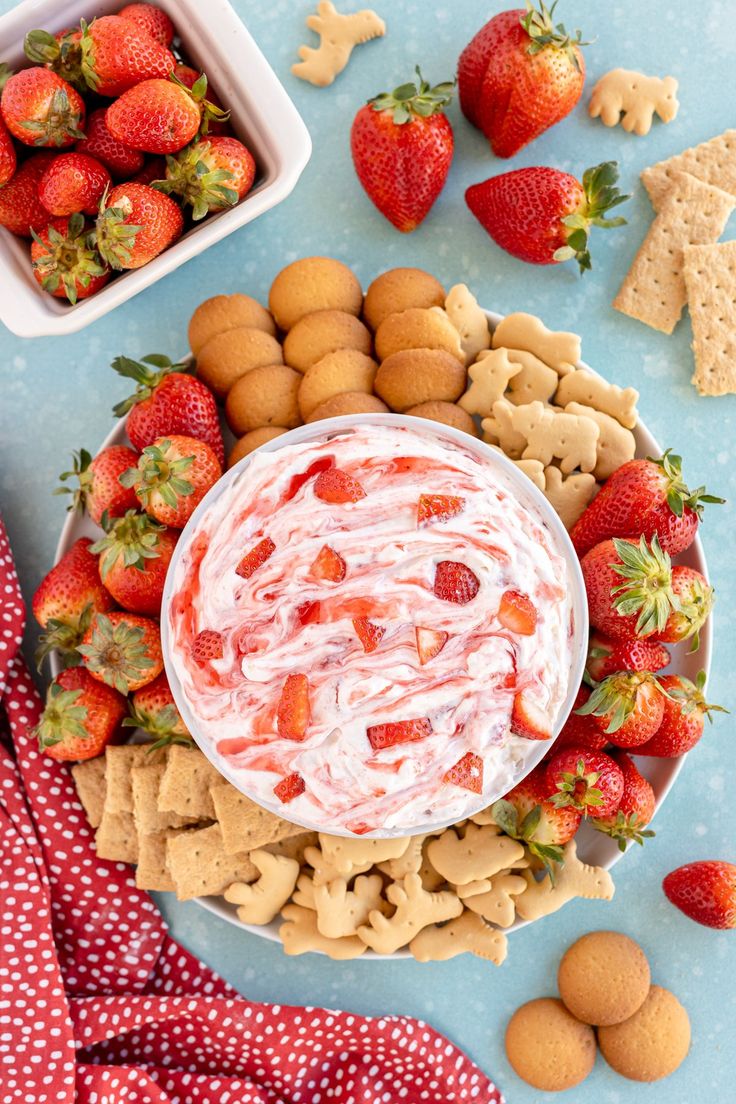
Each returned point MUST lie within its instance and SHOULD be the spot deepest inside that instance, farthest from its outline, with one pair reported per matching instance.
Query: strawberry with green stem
(135, 224)
(402, 146)
(211, 174)
(82, 716)
(544, 216)
(60, 52)
(683, 721)
(66, 600)
(171, 478)
(584, 779)
(135, 553)
(628, 824)
(39, 108)
(65, 260)
(608, 657)
(628, 707)
(153, 709)
(96, 485)
(122, 650)
(162, 116)
(527, 814)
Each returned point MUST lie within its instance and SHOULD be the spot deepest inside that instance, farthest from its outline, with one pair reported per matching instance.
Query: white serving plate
(594, 847)
(262, 115)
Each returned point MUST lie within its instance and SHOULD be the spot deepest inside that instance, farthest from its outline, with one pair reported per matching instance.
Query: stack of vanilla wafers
(682, 262)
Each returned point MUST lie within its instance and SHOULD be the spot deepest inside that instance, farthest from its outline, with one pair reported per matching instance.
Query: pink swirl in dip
(282, 620)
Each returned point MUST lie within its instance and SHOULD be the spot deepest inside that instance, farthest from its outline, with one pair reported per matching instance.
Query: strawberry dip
(370, 631)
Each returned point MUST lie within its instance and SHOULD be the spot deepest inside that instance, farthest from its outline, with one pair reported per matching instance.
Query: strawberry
(8, 159)
(328, 566)
(685, 710)
(402, 146)
(308, 613)
(289, 787)
(123, 650)
(253, 559)
(694, 602)
(82, 716)
(455, 582)
(519, 76)
(433, 508)
(117, 55)
(302, 478)
(704, 891)
(171, 477)
(587, 780)
(135, 224)
(39, 108)
(543, 216)
(369, 634)
(149, 18)
(206, 646)
(189, 77)
(387, 735)
(636, 809)
(608, 657)
(154, 169)
(153, 709)
(527, 814)
(644, 498)
(134, 557)
(210, 175)
(628, 707)
(292, 714)
(467, 772)
(580, 731)
(167, 400)
(66, 599)
(65, 260)
(73, 182)
(21, 211)
(528, 720)
(517, 613)
(334, 485)
(119, 159)
(430, 642)
(161, 116)
(60, 52)
(98, 489)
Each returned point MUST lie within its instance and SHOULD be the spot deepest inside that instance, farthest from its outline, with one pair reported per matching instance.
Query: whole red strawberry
(210, 175)
(544, 216)
(135, 224)
(694, 602)
(21, 211)
(167, 400)
(579, 731)
(526, 813)
(134, 557)
(66, 599)
(82, 716)
(685, 710)
(644, 498)
(153, 709)
(608, 657)
(8, 159)
(161, 116)
(589, 781)
(39, 108)
(65, 259)
(97, 487)
(152, 20)
(119, 159)
(519, 76)
(402, 146)
(704, 891)
(171, 478)
(122, 650)
(117, 55)
(73, 182)
(627, 707)
(635, 810)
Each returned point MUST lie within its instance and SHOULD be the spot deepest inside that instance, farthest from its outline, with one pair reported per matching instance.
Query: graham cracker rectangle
(245, 825)
(152, 871)
(710, 278)
(199, 865)
(119, 761)
(116, 837)
(146, 785)
(693, 213)
(89, 778)
(712, 162)
(185, 786)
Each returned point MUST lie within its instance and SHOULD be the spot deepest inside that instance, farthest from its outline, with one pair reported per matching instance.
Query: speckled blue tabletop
(57, 394)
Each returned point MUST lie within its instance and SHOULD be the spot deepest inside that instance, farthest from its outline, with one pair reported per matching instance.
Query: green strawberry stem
(679, 494)
(117, 653)
(162, 726)
(198, 92)
(647, 587)
(61, 717)
(577, 789)
(410, 100)
(133, 537)
(80, 472)
(155, 472)
(540, 26)
(68, 259)
(625, 829)
(5, 74)
(616, 697)
(115, 237)
(147, 373)
(59, 123)
(189, 176)
(507, 819)
(63, 637)
(690, 696)
(601, 195)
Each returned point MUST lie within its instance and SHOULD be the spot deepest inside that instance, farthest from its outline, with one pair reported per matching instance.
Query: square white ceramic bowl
(216, 41)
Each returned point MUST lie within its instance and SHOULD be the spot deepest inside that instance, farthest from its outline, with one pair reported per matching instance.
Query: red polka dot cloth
(99, 1005)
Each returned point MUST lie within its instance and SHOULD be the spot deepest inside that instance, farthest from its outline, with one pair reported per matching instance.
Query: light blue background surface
(57, 394)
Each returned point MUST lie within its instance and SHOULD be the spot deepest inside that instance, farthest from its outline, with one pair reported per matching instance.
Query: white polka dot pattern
(99, 1005)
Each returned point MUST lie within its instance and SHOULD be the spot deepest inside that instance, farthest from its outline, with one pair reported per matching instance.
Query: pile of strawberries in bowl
(109, 143)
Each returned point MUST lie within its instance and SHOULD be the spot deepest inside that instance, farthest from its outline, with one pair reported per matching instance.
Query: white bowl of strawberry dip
(363, 618)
